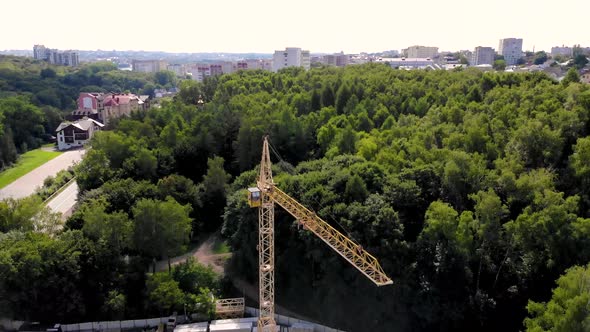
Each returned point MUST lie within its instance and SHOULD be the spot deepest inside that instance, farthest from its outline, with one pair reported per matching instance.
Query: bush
(52, 184)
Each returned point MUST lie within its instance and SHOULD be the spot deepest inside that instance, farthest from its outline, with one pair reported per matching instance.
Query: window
(81, 136)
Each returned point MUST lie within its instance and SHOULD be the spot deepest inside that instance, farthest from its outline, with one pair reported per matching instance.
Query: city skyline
(260, 26)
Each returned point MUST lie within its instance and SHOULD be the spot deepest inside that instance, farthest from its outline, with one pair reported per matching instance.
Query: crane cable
(332, 217)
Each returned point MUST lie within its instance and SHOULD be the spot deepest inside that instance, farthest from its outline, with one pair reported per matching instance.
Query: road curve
(26, 184)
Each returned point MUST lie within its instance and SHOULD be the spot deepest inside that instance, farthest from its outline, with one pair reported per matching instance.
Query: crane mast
(264, 197)
(266, 247)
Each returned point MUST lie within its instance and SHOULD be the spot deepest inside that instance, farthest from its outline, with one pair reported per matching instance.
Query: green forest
(470, 188)
(35, 97)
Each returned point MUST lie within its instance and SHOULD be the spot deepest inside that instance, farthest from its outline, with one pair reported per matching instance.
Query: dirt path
(203, 254)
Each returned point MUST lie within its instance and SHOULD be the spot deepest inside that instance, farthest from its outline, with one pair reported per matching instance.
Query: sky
(262, 26)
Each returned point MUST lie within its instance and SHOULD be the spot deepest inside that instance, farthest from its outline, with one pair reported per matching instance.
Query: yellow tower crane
(264, 196)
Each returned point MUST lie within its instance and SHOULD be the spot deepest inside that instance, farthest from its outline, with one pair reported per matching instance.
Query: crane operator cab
(254, 197)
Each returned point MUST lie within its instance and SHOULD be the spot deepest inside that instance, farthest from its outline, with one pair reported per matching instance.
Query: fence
(118, 325)
(11, 325)
(108, 326)
(286, 320)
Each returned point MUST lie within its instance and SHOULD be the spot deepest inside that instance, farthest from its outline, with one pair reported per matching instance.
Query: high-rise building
(68, 58)
(417, 51)
(56, 57)
(483, 56)
(511, 49)
(291, 57)
(40, 52)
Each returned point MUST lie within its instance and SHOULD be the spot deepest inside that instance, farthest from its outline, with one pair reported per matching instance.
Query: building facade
(564, 51)
(511, 49)
(417, 51)
(77, 133)
(56, 57)
(483, 56)
(104, 107)
(338, 59)
(149, 66)
(178, 69)
(408, 63)
(290, 57)
(40, 52)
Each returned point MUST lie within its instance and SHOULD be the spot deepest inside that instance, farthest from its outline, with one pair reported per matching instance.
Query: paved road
(65, 201)
(26, 185)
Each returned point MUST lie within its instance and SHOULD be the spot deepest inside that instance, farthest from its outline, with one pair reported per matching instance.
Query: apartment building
(483, 56)
(178, 69)
(56, 57)
(418, 51)
(291, 57)
(149, 66)
(338, 59)
(511, 49)
(563, 50)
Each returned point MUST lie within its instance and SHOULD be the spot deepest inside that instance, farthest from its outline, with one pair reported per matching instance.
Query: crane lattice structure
(264, 196)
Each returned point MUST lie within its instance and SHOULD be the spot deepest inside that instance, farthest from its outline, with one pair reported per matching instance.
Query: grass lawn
(220, 247)
(26, 163)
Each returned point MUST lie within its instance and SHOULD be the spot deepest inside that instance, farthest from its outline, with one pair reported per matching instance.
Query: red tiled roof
(111, 102)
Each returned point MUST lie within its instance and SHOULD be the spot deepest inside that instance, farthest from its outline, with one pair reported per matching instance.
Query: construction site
(263, 197)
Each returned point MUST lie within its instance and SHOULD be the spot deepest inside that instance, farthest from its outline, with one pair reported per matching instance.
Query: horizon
(261, 27)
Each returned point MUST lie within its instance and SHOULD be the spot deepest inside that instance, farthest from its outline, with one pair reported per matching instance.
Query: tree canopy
(469, 187)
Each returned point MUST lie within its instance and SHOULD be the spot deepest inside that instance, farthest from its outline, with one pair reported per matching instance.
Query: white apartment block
(291, 57)
(417, 51)
(564, 50)
(482, 56)
(511, 49)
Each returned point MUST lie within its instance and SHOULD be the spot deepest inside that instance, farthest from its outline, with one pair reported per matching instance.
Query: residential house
(77, 133)
(105, 106)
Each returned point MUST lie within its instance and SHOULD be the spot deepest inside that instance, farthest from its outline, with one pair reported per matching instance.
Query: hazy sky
(266, 25)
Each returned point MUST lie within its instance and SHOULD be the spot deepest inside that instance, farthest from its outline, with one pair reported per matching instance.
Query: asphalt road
(64, 201)
(26, 185)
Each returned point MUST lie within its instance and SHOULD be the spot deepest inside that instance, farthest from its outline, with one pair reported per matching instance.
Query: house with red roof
(104, 107)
